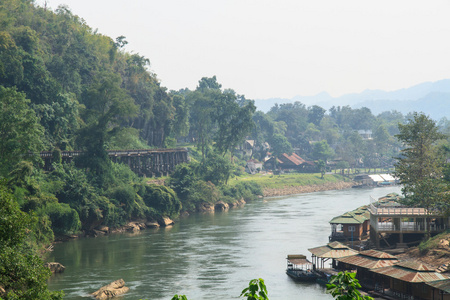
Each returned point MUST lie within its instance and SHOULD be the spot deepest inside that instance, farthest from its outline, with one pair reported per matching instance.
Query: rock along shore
(291, 190)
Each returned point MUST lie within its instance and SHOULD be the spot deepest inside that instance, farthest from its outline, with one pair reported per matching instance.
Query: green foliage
(256, 290)
(243, 190)
(22, 274)
(20, 131)
(63, 218)
(216, 169)
(344, 286)
(433, 242)
(420, 165)
(182, 179)
(201, 192)
(161, 199)
(322, 151)
(179, 297)
(294, 115)
(322, 167)
(279, 145)
(60, 120)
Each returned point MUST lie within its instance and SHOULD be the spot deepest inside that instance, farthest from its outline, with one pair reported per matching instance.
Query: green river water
(210, 256)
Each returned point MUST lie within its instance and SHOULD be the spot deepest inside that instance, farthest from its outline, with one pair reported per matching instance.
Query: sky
(280, 49)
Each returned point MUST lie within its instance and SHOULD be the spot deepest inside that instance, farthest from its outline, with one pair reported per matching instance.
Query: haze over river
(211, 256)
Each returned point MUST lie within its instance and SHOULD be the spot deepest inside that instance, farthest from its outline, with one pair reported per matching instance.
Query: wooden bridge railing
(144, 162)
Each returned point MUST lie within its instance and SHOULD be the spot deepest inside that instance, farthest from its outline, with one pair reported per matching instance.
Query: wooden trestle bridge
(145, 162)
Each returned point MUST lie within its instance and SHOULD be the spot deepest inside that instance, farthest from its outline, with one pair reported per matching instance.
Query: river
(211, 256)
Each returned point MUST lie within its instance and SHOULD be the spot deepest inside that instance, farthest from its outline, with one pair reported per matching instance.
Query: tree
(60, 120)
(279, 145)
(22, 272)
(20, 132)
(234, 122)
(107, 107)
(315, 114)
(344, 286)
(216, 168)
(382, 140)
(321, 150)
(208, 83)
(419, 167)
(322, 168)
(294, 115)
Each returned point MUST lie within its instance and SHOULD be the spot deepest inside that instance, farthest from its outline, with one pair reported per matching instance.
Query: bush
(63, 218)
(243, 190)
(22, 272)
(162, 199)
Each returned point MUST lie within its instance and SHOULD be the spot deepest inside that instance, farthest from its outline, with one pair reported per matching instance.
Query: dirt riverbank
(291, 190)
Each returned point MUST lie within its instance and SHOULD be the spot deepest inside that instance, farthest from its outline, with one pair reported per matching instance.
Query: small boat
(300, 269)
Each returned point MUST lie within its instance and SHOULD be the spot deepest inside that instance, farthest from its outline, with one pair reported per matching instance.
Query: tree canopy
(419, 167)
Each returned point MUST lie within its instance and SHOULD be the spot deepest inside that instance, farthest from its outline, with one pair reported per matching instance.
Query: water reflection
(210, 256)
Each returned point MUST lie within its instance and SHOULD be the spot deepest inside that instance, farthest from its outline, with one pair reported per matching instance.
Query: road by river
(211, 256)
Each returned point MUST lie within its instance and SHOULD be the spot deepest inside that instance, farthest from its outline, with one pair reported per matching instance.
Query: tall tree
(315, 114)
(20, 132)
(419, 167)
(234, 122)
(107, 107)
(280, 145)
(322, 151)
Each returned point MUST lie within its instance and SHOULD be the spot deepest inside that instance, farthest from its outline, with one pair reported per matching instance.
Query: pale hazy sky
(282, 48)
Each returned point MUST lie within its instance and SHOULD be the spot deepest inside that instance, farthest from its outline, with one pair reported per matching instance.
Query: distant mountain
(431, 98)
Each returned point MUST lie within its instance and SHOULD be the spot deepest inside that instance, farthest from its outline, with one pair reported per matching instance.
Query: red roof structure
(292, 161)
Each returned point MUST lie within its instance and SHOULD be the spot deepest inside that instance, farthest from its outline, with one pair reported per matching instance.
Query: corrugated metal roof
(443, 285)
(409, 275)
(356, 216)
(337, 245)
(333, 250)
(349, 218)
(376, 178)
(299, 260)
(377, 254)
(416, 266)
(387, 177)
(367, 261)
(293, 158)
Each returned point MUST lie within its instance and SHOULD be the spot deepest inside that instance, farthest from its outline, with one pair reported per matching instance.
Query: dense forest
(64, 86)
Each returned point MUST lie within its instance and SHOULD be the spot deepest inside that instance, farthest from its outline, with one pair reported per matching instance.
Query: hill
(434, 252)
(432, 98)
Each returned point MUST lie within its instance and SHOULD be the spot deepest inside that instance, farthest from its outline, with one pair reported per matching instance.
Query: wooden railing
(410, 211)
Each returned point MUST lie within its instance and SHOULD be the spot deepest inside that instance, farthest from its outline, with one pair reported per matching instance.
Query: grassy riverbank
(295, 183)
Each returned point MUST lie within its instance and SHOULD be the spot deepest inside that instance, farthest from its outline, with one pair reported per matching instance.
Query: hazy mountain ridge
(432, 98)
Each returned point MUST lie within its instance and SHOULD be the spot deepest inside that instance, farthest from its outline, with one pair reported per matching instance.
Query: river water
(211, 256)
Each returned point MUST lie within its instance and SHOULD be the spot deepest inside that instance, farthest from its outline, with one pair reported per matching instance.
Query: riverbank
(292, 190)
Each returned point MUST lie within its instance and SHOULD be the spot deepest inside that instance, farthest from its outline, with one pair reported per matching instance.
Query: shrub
(64, 219)
(162, 199)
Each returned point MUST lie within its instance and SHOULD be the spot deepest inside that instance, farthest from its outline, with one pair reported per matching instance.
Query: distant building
(246, 149)
(253, 166)
(365, 134)
(290, 162)
(375, 179)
